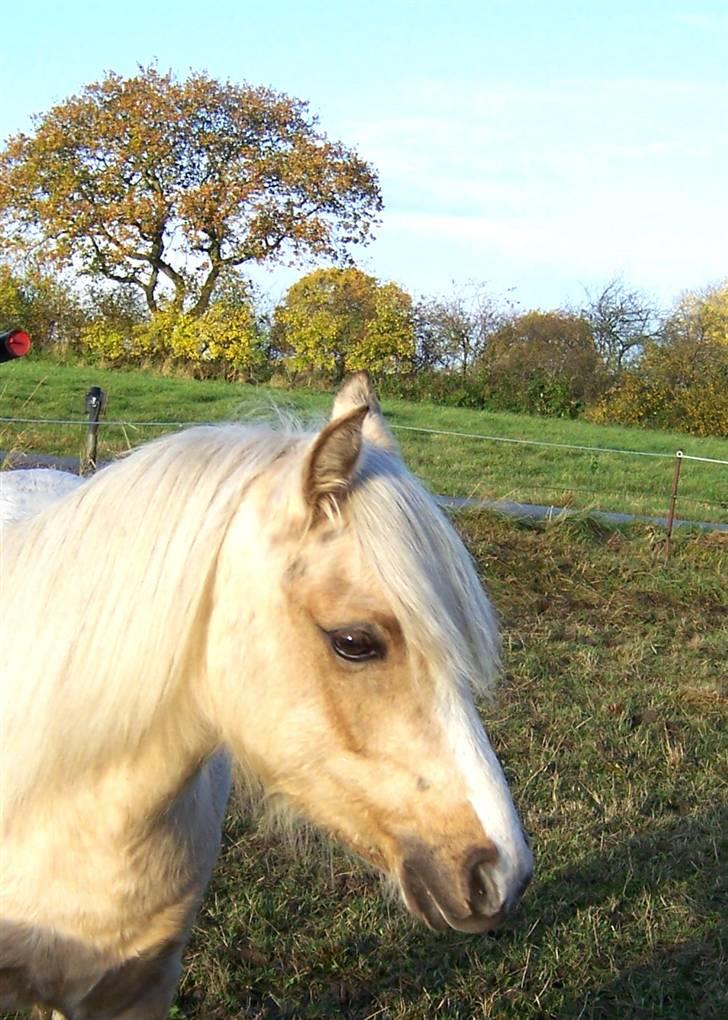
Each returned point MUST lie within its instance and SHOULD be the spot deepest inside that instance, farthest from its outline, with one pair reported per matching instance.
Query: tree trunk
(206, 291)
(149, 288)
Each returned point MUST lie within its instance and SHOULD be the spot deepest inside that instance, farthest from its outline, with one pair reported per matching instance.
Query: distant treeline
(617, 358)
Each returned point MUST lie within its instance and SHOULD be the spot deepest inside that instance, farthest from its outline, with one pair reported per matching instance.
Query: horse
(291, 601)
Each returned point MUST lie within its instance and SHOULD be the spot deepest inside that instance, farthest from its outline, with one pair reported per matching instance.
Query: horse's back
(26, 492)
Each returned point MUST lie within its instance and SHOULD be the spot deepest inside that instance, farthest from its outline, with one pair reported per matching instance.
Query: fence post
(673, 500)
(95, 405)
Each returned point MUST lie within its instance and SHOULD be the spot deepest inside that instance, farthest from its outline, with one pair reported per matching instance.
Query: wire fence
(556, 446)
(167, 423)
(721, 504)
(543, 485)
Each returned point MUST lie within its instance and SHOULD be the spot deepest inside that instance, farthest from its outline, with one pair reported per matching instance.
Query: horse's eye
(356, 644)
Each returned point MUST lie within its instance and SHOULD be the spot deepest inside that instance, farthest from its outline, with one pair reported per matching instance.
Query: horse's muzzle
(467, 900)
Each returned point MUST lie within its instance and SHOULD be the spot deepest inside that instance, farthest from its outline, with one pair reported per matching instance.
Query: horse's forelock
(425, 569)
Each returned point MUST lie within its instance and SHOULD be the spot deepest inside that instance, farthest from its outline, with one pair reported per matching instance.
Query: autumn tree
(678, 385)
(453, 332)
(699, 317)
(341, 320)
(543, 362)
(165, 186)
(681, 381)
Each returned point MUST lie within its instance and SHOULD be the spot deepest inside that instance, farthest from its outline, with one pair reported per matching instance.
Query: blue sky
(536, 147)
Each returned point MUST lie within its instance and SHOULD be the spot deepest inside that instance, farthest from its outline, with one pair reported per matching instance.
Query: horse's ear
(330, 463)
(357, 390)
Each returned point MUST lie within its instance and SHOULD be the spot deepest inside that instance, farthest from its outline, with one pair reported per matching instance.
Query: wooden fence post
(95, 405)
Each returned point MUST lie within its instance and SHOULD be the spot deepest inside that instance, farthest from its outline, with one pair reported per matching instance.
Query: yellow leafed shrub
(107, 341)
(682, 385)
(334, 321)
(225, 340)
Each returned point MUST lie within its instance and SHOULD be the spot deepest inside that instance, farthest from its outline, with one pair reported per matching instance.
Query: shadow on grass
(679, 980)
(661, 970)
(598, 938)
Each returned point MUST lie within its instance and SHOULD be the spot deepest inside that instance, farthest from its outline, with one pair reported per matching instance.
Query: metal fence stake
(95, 406)
(673, 500)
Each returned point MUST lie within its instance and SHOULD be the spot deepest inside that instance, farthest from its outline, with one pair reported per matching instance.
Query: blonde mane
(150, 525)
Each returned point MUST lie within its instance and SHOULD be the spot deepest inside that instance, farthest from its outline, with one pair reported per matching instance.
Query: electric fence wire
(131, 424)
(105, 423)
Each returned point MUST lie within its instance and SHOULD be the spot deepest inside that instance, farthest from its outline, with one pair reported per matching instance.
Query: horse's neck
(132, 783)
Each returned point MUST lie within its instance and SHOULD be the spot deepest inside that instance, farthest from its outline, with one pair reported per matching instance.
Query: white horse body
(190, 601)
(26, 492)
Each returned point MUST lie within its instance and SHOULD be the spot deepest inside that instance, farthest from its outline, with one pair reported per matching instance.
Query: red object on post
(15, 343)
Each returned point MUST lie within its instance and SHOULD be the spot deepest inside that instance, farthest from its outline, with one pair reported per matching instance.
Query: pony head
(347, 634)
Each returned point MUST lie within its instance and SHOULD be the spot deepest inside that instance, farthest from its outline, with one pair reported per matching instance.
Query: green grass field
(37, 387)
(611, 724)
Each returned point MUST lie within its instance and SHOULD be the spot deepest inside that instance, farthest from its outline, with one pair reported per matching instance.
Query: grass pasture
(612, 727)
(611, 724)
(451, 465)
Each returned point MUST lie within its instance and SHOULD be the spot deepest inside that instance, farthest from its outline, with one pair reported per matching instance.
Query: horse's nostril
(483, 895)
